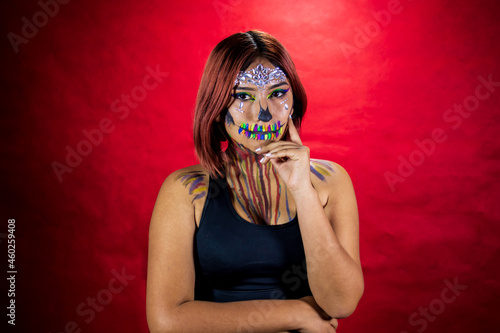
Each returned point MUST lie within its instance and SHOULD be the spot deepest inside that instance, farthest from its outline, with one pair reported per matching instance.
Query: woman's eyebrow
(245, 88)
(278, 85)
(253, 89)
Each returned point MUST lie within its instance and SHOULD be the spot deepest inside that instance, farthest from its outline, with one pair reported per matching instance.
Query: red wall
(384, 102)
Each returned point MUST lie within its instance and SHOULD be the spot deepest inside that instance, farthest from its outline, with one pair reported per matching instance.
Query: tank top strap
(216, 196)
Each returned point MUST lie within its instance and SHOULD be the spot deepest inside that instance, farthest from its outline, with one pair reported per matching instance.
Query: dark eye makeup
(243, 96)
(278, 93)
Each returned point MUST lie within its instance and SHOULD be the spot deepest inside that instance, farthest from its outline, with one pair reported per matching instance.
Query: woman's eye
(243, 96)
(278, 93)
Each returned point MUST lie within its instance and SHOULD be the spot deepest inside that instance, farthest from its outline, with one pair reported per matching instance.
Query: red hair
(232, 55)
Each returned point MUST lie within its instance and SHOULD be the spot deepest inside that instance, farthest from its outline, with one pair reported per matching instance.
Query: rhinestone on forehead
(261, 76)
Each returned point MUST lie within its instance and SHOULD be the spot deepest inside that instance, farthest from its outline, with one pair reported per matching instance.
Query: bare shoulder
(189, 183)
(329, 177)
(336, 192)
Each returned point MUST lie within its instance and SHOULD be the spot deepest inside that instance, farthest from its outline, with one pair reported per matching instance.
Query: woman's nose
(264, 114)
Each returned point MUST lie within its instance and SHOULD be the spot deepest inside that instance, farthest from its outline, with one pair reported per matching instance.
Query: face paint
(264, 115)
(194, 180)
(286, 105)
(259, 98)
(261, 132)
(267, 207)
(260, 76)
(229, 119)
(321, 168)
(240, 109)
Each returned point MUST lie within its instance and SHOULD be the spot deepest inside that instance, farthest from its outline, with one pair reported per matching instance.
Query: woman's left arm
(330, 234)
(331, 244)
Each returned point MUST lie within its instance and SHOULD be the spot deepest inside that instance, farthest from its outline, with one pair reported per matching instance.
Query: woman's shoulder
(325, 170)
(194, 170)
(328, 175)
(189, 182)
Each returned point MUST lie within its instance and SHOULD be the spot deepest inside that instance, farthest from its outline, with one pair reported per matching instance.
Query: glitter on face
(240, 109)
(261, 132)
(260, 76)
(284, 101)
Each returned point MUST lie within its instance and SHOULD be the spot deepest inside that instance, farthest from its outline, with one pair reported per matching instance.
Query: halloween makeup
(245, 96)
(240, 108)
(261, 132)
(194, 180)
(260, 76)
(256, 189)
(321, 168)
(229, 119)
(284, 101)
(260, 104)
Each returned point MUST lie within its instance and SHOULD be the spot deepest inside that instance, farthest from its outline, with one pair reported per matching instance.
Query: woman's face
(261, 103)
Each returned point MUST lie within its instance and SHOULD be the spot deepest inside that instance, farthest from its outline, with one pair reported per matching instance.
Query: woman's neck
(243, 159)
(256, 187)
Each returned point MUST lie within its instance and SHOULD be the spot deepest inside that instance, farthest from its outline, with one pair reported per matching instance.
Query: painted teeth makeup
(249, 99)
(261, 76)
(261, 132)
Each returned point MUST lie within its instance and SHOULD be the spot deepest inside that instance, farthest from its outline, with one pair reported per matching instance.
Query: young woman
(258, 237)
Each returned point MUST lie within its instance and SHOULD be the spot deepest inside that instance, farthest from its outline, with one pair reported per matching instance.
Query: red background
(365, 112)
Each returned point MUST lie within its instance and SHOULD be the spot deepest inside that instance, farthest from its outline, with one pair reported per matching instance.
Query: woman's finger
(284, 146)
(334, 322)
(273, 145)
(294, 135)
(292, 154)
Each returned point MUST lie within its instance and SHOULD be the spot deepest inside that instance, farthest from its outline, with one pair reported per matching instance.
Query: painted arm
(170, 304)
(331, 234)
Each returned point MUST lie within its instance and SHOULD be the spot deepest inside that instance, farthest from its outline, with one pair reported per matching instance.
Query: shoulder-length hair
(232, 55)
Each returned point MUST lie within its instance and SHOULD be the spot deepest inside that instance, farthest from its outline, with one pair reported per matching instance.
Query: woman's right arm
(170, 303)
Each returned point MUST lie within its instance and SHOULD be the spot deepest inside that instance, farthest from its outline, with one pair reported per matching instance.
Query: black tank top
(236, 260)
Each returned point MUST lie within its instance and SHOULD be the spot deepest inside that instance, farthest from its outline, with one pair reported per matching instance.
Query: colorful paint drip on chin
(261, 132)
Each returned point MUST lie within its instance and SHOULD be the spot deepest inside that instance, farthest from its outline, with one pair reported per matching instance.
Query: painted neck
(243, 159)
(255, 187)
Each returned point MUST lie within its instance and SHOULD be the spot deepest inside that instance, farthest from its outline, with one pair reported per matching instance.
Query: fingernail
(263, 158)
(258, 149)
(268, 154)
(290, 116)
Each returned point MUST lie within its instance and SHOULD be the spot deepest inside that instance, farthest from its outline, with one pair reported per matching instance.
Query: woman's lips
(261, 132)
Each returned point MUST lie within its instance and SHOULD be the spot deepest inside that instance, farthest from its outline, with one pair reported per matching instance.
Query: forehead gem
(261, 76)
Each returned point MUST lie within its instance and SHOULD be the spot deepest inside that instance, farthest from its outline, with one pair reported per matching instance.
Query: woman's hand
(290, 159)
(314, 319)
(312, 302)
